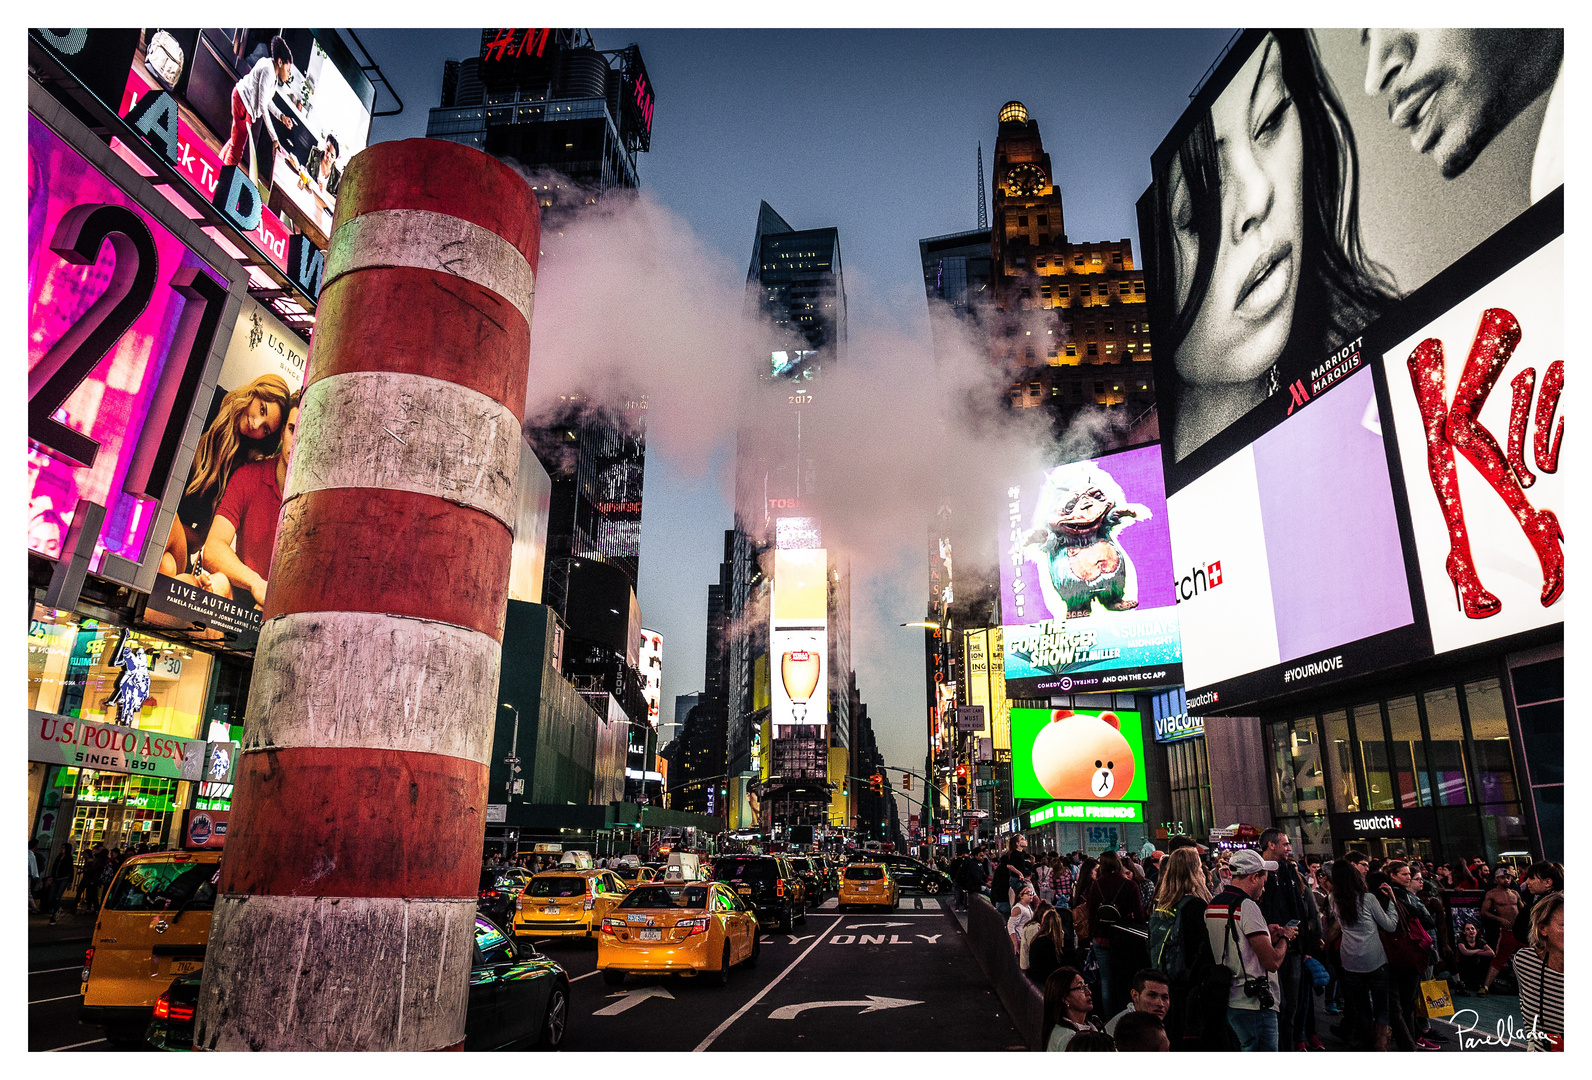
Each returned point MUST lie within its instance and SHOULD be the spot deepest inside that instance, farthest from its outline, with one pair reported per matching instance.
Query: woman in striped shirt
(1540, 972)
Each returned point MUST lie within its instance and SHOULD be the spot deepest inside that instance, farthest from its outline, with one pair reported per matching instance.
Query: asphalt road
(53, 999)
(901, 980)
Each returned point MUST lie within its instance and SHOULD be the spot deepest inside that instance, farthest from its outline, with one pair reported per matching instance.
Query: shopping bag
(1435, 995)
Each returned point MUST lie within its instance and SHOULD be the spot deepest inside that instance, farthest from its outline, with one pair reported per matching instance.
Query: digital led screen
(293, 137)
(1374, 164)
(107, 303)
(1078, 756)
(799, 638)
(1485, 489)
(651, 672)
(1086, 577)
(1377, 184)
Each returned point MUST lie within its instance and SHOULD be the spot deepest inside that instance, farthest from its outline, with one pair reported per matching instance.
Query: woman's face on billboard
(1247, 312)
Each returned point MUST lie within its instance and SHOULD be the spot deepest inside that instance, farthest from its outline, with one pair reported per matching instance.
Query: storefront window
(1446, 750)
(1379, 791)
(1298, 786)
(1191, 785)
(1489, 732)
(1409, 753)
(1503, 829)
(1345, 791)
(71, 672)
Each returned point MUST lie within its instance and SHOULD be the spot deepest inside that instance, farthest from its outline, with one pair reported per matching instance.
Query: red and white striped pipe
(347, 895)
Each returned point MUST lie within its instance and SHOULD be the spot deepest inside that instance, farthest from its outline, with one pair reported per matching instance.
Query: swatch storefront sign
(1410, 821)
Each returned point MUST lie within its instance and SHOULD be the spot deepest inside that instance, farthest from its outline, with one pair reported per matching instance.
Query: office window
(1111, 328)
(1022, 221)
(1489, 730)
(1062, 290)
(1077, 260)
(1093, 349)
(1072, 349)
(1044, 290)
(1044, 221)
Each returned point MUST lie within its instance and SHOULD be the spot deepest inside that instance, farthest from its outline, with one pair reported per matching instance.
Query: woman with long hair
(1367, 983)
(1255, 254)
(1180, 946)
(247, 428)
(1539, 969)
(1048, 947)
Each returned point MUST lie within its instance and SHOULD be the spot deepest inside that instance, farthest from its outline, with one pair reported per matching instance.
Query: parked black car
(769, 885)
(500, 888)
(517, 997)
(911, 873)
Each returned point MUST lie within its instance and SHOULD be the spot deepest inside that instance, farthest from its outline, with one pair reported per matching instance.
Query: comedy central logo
(1198, 580)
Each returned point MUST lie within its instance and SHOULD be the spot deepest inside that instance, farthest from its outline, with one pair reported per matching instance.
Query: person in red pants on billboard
(251, 98)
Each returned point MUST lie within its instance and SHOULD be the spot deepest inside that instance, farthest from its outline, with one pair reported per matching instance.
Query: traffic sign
(987, 785)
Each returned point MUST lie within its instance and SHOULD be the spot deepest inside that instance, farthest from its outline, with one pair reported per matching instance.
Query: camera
(1259, 988)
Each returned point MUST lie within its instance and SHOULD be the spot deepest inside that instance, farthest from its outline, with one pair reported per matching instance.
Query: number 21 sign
(122, 317)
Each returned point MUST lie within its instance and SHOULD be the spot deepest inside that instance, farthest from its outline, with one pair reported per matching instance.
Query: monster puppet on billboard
(1082, 510)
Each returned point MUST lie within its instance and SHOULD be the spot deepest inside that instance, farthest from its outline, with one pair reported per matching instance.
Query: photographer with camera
(1249, 949)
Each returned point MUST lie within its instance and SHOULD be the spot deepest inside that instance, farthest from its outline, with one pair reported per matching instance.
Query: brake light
(88, 962)
(163, 1006)
(609, 926)
(692, 926)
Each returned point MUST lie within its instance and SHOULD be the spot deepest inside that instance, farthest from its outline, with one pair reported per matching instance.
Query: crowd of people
(1230, 949)
(47, 885)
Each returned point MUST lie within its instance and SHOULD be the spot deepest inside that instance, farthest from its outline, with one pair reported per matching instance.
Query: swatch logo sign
(1198, 580)
(1380, 821)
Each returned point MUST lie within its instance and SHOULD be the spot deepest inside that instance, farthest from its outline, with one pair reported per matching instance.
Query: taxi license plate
(864, 888)
(185, 967)
(745, 890)
(652, 935)
(550, 911)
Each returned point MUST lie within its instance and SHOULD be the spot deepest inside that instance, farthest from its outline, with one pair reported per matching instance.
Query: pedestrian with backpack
(1249, 949)
(1179, 946)
(1112, 901)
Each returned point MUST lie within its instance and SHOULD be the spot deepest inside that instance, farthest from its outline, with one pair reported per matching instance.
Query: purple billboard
(1087, 592)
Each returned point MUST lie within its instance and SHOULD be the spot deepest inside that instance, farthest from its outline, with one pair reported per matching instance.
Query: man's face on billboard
(1454, 90)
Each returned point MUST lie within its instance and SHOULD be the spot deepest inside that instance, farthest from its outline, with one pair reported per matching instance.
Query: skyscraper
(1070, 322)
(787, 598)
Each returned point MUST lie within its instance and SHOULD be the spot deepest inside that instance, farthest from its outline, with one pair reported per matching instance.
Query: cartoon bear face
(1083, 757)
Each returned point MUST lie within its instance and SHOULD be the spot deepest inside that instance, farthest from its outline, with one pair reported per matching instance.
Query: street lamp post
(513, 760)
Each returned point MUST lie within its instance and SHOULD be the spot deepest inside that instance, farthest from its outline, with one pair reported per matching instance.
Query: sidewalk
(69, 928)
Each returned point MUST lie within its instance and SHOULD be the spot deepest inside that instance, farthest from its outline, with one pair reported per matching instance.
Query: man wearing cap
(1252, 951)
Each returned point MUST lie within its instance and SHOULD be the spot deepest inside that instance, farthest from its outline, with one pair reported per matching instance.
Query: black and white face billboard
(1322, 209)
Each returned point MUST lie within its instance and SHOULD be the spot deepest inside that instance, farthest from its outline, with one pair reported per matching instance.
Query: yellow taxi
(868, 883)
(152, 928)
(635, 875)
(680, 927)
(566, 903)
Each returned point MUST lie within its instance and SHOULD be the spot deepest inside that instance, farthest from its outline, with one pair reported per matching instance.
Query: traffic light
(876, 782)
(906, 781)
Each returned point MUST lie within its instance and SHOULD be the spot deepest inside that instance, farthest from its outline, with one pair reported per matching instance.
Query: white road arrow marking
(874, 1004)
(629, 999)
(860, 925)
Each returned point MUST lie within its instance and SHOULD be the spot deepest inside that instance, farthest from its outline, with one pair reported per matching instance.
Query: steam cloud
(629, 301)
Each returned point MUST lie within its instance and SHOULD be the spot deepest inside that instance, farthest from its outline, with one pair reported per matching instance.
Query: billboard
(799, 637)
(1335, 202)
(651, 672)
(1375, 159)
(1086, 577)
(246, 427)
(620, 452)
(291, 136)
(797, 532)
(1485, 492)
(1078, 756)
(122, 315)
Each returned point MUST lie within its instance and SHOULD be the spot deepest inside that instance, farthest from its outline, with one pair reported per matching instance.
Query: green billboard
(1078, 755)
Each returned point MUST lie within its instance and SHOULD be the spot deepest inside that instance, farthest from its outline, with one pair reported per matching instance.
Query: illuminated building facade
(1070, 323)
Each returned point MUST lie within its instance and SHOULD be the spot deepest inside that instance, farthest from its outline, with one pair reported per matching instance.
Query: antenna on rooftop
(983, 214)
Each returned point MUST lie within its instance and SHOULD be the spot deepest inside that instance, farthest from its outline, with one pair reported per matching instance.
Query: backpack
(1166, 944)
(1105, 914)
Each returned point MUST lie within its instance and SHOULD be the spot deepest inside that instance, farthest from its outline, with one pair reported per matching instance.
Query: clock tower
(1028, 217)
(1068, 321)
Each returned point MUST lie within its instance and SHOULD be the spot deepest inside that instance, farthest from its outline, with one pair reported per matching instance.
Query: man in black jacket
(1283, 905)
